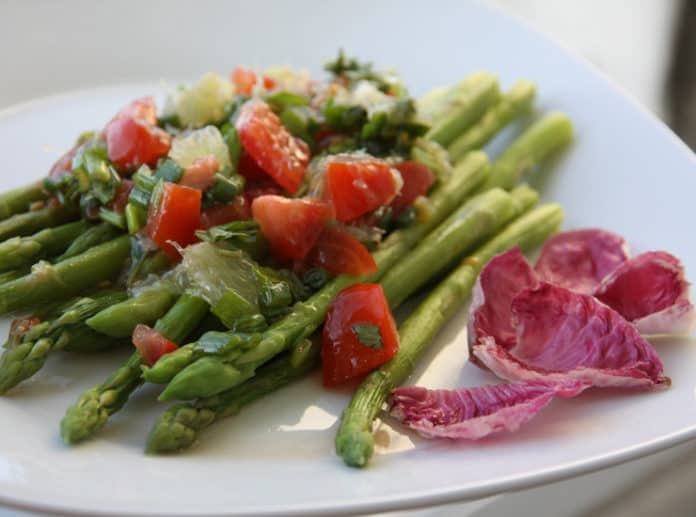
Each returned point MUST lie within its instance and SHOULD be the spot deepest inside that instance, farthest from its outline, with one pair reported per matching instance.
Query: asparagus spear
(68, 278)
(432, 255)
(543, 138)
(151, 303)
(24, 359)
(93, 236)
(514, 104)
(354, 440)
(19, 252)
(96, 405)
(35, 220)
(479, 93)
(18, 200)
(178, 427)
(308, 315)
(13, 274)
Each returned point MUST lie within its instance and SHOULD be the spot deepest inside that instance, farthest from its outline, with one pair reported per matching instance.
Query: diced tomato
(143, 109)
(356, 186)
(237, 210)
(339, 252)
(132, 142)
(244, 80)
(150, 344)
(292, 226)
(418, 178)
(121, 199)
(251, 170)
(201, 173)
(282, 156)
(176, 218)
(359, 308)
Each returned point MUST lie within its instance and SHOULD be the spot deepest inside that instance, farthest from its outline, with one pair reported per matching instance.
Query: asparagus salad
(258, 227)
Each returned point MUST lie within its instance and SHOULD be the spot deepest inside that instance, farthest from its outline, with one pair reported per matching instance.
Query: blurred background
(648, 48)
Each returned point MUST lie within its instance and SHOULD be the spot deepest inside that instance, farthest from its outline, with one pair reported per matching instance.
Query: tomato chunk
(132, 143)
(339, 252)
(201, 173)
(292, 226)
(176, 218)
(279, 154)
(244, 80)
(132, 137)
(236, 210)
(356, 186)
(151, 344)
(417, 178)
(359, 334)
(143, 109)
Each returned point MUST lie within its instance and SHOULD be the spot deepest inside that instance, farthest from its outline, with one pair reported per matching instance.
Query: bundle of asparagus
(84, 294)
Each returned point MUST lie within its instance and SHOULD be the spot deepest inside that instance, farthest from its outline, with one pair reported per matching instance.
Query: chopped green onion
(145, 182)
(170, 171)
(281, 100)
(140, 197)
(296, 123)
(112, 217)
(226, 189)
(136, 218)
(315, 278)
(231, 138)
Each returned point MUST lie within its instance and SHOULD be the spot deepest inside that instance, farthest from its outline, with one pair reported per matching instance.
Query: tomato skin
(150, 344)
(251, 170)
(418, 179)
(201, 173)
(143, 109)
(292, 226)
(121, 199)
(279, 154)
(343, 356)
(244, 80)
(338, 252)
(356, 186)
(236, 210)
(131, 142)
(176, 218)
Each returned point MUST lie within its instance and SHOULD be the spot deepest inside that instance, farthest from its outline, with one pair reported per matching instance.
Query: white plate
(626, 173)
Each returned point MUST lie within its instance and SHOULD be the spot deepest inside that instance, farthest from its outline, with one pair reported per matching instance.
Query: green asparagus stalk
(21, 361)
(18, 252)
(96, 405)
(68, 278)
(13, 274)
(444, 245)
(151, 303)
(354, 440)
(93, 236)
(543, 138)
(179, 426)
(514, 104)
(308, 315)
(480, 92)
(18, 200)
(35, 220)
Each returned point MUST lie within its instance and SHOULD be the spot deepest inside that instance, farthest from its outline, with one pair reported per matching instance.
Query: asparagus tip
(355, 448)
